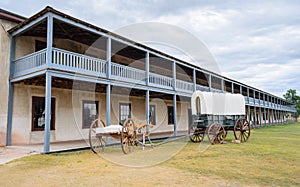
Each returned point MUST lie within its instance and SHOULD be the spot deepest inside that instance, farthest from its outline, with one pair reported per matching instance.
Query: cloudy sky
(254, 42)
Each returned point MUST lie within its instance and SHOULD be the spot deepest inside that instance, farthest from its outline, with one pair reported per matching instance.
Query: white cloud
(256, 42)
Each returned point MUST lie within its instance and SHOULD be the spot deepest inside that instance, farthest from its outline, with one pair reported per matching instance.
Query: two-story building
(59, 73)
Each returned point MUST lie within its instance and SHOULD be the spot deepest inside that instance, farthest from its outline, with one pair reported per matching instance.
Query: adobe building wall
(68, 113)
(5, 40)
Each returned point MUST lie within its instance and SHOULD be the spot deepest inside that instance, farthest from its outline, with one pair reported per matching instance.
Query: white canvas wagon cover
(217, 103)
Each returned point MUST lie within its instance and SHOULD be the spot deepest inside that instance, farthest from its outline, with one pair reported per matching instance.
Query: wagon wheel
(242, 130)
(216, 133)
(128, 136)
(96, 141)
(196, 134)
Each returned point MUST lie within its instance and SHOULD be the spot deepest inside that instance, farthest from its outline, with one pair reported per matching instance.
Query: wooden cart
(128, 134)
(214, 114)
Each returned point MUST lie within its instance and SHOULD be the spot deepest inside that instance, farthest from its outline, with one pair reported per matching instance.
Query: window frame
(84, 126)
(36, 99)
(130, 109)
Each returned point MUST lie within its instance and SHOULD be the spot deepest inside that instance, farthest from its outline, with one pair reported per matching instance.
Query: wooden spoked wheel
(196, 134)
(242, 130)
(216, 133)
(97, 143)
(128, 136)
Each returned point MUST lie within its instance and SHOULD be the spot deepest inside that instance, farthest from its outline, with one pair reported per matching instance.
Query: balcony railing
(127, 72)
(183, 85)
(161, 80)
(91, 66)
(29, 62)
(77, 62)
(202, 88)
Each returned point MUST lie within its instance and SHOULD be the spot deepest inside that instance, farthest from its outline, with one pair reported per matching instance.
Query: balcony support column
(194, 79)
(108, 109)
(255, 118)
(264, 98)
(147, 107)
(48, 96)
(147, 68)
(259, 102)
(108, 103)
(260, 118)
(49, 40)
(249, 112)
(254, 101)
(175, 114)
(209, 82)
(108, 58)
(174, 75)
(10, 93)
(248, 96)
(269, 119)
(232, 87)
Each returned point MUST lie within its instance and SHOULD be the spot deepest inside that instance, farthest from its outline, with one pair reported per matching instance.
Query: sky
(255, 42)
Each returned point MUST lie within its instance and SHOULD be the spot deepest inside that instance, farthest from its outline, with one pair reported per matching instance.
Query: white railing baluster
(30, 61)
(127, 72)
(78, 61)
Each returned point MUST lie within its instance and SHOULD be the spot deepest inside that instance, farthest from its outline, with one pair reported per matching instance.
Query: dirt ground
(269, 158)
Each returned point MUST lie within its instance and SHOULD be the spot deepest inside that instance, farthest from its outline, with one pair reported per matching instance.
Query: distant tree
(291, 96)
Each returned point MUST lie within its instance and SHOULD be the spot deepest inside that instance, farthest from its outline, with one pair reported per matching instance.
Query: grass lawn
(270, 158)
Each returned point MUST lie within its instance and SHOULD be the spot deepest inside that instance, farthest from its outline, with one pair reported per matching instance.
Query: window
(89, 113)
(170, 115)
(152, 115)
(38, 114)
(124, 112)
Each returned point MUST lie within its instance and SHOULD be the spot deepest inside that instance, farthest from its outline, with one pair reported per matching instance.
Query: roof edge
(10, 16)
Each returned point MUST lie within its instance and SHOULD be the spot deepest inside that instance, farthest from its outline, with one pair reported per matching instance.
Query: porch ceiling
(66, 84)
(64, 30)
(99, 88)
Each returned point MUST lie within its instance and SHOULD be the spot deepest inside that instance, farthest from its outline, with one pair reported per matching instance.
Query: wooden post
(174, 114)
(108, 58)
(10, 93)
(47, 113)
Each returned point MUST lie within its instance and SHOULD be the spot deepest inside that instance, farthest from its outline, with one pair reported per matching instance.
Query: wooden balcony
(71, 62)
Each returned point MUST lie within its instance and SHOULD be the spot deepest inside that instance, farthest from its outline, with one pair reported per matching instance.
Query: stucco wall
(4, 75)
(68, 118)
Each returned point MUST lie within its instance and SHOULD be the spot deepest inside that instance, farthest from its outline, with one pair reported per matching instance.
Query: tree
(291, 96)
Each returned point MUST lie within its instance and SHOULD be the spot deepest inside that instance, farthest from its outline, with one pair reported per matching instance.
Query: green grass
(269, 158)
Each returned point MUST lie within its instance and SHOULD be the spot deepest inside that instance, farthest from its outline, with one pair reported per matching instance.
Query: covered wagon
(214, 114)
